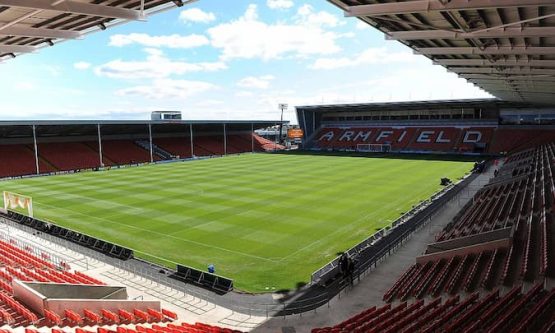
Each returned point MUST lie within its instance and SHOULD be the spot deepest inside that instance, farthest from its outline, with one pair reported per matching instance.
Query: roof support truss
(510, 32)
(509, 78)
(503, 46)
(525, 93)
(497, 63)
(530, 85)
(528, 94)
(39, 32)
(423, 6)
(518, 71)
(532, 90)
(513, 83)
(16, 48)
(74, 7)
(520, 50)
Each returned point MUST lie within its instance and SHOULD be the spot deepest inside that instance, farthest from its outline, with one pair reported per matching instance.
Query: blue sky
(219, 59)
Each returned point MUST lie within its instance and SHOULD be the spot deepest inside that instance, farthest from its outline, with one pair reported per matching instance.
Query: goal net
(373, 148)
(18, 203)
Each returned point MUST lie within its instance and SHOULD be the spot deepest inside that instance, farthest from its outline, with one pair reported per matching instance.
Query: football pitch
(265, 220)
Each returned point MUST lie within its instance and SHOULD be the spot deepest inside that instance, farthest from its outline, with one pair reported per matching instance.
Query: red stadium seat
(170, 314)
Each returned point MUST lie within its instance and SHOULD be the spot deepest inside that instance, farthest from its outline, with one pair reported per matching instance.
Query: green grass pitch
(265, 220)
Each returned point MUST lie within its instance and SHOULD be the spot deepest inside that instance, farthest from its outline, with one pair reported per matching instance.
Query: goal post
(373, 148)
(18, 203)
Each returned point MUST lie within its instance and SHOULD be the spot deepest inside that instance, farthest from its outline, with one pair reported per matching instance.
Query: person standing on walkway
(351, 270)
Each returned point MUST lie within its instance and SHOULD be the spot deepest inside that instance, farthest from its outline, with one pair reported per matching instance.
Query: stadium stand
(23, 265)
(122, 152)
(406, 138)
(517, 139)
(209, 145)
(92, 319)
(503, 238)
(519, 200)
(21, 161)
(453, 139)
(65, 156)
(262, 144)
(456, 126)
(62, 152)
(214, 145)
(176, 146)
(514, 312)
(20, 264)
(239, 144)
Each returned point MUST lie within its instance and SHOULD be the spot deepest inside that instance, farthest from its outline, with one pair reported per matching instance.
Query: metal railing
(30, 248)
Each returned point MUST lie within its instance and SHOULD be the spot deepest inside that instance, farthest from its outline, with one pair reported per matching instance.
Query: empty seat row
(106, 317)
(18, 262)
(9, 273)
(24, 255)
(513, 312)
(459, 273)
(19, 159)
(139, 328)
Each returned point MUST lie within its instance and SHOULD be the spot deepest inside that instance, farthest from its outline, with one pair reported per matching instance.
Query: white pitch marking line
(161, 234)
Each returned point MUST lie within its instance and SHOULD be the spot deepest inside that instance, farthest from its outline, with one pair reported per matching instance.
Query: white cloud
(66, 112)
(196, 15)
(280, 4)
(209, 103)
(250, 38)
(24, 86)
(308, 16)
(244, 93)
(361, 25)
(371, 56)
(174, 41)
(168, 89)
(155, 66)
(260, 82)
(53, 70)
(394, 83)
(81, 65)
(417, 81)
